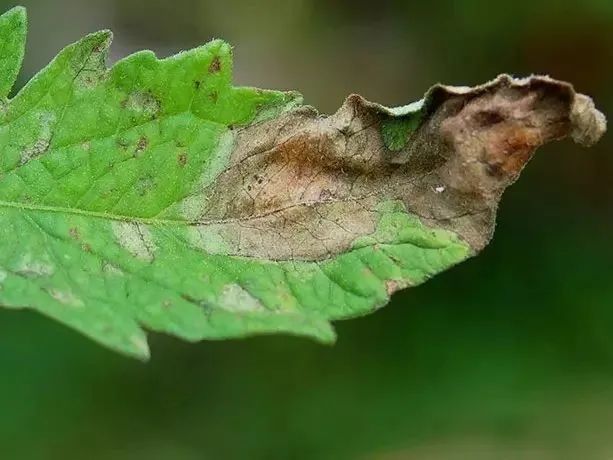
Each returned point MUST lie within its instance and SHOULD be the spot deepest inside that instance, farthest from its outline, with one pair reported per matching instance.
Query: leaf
(155, 195)
(12, 48)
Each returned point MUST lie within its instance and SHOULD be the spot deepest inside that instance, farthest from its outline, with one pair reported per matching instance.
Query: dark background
(508, 356)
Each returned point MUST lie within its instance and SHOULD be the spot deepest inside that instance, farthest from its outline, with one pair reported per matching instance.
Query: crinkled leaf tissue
(155, 195)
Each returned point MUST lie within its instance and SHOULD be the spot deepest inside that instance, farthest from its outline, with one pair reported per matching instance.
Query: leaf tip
(139, 348)
(588, 123)
(103, 37)
(18, 12)
(326, 335)
(221, 44)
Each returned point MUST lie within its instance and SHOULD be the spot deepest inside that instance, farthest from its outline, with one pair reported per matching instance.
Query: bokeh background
(508, 356)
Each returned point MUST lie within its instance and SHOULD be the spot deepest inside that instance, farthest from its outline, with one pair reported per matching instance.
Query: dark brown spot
(215, 65)
(142, 144)
(494, 169)
(213, 96)
(197, 84)
(486, 118)
(182, 159)
(74, 233)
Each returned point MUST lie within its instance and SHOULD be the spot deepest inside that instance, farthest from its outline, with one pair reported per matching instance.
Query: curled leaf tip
(588, 123)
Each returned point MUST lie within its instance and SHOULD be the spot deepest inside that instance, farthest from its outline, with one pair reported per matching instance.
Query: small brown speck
(391, 286)
(215, 65)
(74, 233)
(142, 144)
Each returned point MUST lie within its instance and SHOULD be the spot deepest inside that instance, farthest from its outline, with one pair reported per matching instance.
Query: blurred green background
(508, 356)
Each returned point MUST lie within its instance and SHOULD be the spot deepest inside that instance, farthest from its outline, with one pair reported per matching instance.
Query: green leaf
(13, 26)
(155, 195)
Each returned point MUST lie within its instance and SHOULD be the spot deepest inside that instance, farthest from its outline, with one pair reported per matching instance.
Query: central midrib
(94, 214)
(161, 222)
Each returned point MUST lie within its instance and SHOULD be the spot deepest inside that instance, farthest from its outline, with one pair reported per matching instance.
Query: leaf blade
(13, 26)
(155, 195)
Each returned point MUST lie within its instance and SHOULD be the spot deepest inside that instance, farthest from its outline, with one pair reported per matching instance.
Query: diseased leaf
(156, 195)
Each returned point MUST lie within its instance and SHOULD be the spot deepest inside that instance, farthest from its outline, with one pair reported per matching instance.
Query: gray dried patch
(42, 143)
(392, 286)
(136, 239)
(111, 269)
(66, 298)
(208, 238)
(143, 102)
(235, 298)
(29, 267)
(94, 71)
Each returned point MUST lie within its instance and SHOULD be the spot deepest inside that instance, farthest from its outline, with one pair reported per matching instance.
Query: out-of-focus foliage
(490, 360)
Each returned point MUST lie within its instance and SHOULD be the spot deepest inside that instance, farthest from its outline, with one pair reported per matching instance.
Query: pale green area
(396, 130)
(96, 166)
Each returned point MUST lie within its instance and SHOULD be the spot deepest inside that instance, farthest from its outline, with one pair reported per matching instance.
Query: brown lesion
(310, 166)
(182, 159)
(215, 65)
(502, 128)
(303, 186)
(141, 145)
